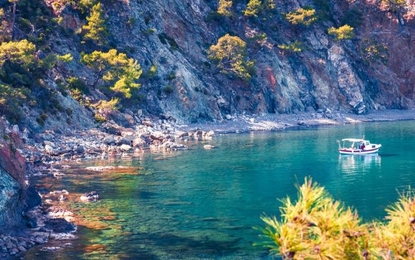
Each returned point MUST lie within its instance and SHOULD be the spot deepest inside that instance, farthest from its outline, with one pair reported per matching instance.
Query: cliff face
(327, 74)
(374, 70)
(16, 197)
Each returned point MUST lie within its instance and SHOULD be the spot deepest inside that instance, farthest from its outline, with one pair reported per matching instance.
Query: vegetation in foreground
(318, 227)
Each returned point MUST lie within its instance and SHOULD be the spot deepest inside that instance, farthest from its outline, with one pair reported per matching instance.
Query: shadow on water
(145, 195)
(174, 246)
(388, 154)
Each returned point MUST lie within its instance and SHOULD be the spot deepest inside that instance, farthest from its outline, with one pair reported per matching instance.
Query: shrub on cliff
(303, 16)
(318, 227)
(224, 7)
(20, 52)
(395, 5)
(96, 29)
(344, 32)
(256, 7)
(119, 73)
(230, 56)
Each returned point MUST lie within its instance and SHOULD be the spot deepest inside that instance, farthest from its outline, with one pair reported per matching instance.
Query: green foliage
(168, 89)
(395, 5)
(115, 68)
(21, 52)
(296, 46)
(153, 70)
(17, 60)
(165, 39)
(10, 100)
(65, 58)
(42, 119)
(105, 108)
(353, 17)
(35, 17)
(96, 29)
(397, 235)
(76, 94)
(373, 51)
(82, 5)
(171, 76)
(225, 7)
(253, 8)
(99, 118)
(151, 73)
(344, 32)
(315, 227)
(230, 56)
(75, 83)
(5, 33)
(256, 7)
(318, 227)
(304, 16)
(48, 62)
(149, 31)
(108, 105)
(323, 10)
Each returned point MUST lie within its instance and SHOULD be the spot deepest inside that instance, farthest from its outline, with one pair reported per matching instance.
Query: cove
(203, 204)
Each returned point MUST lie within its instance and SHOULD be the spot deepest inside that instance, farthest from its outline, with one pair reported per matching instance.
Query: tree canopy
(231, 58)
(115, 68)
(21, 52)
(255, 7)
(318, 227)
(304, 16)
(224, 7)
(344, 32)
(96, 29)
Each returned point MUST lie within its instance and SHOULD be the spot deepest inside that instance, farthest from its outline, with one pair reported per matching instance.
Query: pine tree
(96, 29)
(231, 58)
(116, 69)
(253, 8)
(344, 32)
(302, 16)
(21, 52)
(225, 7)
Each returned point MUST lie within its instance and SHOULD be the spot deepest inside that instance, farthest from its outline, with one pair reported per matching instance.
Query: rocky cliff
(17, 197)
(373, 70)
(327, 74)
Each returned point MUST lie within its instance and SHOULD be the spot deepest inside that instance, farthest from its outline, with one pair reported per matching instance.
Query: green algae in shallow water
(161, 215)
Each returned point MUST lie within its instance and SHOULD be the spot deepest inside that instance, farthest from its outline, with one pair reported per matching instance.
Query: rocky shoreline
(46, 154)
(111, 140)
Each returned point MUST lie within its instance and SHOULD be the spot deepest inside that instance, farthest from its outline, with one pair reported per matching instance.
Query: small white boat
(357, 146)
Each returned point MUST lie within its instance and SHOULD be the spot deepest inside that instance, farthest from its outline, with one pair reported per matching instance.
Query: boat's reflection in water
(357, 163)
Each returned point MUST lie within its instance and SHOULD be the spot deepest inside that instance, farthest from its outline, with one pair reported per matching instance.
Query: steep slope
(327, 74)
(170, 39)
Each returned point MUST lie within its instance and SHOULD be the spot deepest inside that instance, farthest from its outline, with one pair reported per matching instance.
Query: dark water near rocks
(203, 204)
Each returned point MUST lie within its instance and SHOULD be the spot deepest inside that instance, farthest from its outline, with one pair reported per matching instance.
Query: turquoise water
(203, 204)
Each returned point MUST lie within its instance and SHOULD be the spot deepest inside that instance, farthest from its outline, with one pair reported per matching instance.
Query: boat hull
(359, 151)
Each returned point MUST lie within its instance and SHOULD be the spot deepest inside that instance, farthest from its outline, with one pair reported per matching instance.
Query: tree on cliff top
(230, 56)
(116, 69)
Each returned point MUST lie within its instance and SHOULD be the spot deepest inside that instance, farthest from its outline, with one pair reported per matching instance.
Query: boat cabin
(357, 146)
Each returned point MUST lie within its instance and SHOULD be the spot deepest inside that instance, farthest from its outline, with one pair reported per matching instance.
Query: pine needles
(318, 227)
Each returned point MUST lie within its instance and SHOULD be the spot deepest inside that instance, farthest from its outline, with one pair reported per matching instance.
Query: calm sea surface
(203, 204)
